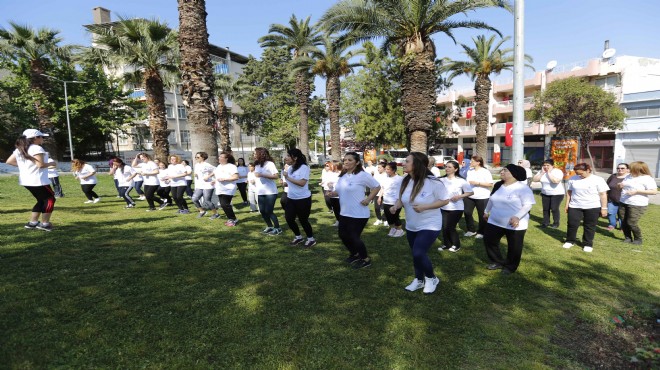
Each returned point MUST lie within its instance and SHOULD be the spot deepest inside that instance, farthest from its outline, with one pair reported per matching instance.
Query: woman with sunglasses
(552, 192)
(614, 195)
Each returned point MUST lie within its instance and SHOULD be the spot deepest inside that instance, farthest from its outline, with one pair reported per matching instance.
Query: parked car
(440, 160)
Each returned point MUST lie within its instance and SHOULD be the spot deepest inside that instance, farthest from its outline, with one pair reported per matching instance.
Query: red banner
(508, 139)
(469, 112)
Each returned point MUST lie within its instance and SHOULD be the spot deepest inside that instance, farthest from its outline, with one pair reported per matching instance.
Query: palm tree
(225, 88)
(409, 25)
(301, 39)
(332, 63)
(150, 48)
(485, 58)
(33, 52)
(197, 76)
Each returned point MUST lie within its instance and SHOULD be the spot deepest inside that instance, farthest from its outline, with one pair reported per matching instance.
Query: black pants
(177, 195)
(514, 240)
(88, 189)
(283, 199)
(45, 198)
(470, 205)
(551, 204)
(392, 219)
(449, 234)
(149, 194)
(575, 216)
(378, 208)
(164, 193)
(299, 208)
(124, 192)
(242, 188)
(327, 198)
(189, 189)
(630, 223)
(57, 188)
(350, 230)
(336, 208)
(225, 204)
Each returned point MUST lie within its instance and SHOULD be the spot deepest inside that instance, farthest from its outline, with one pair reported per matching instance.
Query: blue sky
(563, 30)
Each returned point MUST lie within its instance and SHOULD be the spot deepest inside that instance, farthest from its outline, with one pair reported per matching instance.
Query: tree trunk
(482, 94)
(302, 94)
(39, 84)
(223, 125)
(333, 92)
(418, 94)
(155, 95)
(197, 77)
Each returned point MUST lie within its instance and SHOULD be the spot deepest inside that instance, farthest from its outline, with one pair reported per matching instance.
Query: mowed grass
(123, 288)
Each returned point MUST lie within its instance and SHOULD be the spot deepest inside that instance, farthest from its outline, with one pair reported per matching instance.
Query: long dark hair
(261, 156)
(456, 166)
(239, 162)
(419, 173)
(121, 164)
(358, 165)
(23, 144)
(299, 158)
(230, 157)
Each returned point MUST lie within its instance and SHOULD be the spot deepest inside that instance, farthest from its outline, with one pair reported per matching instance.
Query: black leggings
(514, 240)
(149, 193)
(335, 207)
(177, 195)
(378, 208)
(551, 204)
(164, 193)
(392, 219)
(350, 230)
(267, 209)
(242, 188)
(299, 208)
(124, 192)
(449, 234)
(470, 204)
(45, 198)
(327, 198)
(589, 219)
(225, 204)
(189, 189)
(88, 189)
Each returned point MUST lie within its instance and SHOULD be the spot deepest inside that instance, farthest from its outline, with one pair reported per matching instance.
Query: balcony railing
(509, 103)
(502, 125)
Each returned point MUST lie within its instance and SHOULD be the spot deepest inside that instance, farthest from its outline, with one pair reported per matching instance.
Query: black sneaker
(45, 227)
(351, 259)
(362, 263)
(31, 225)
(310, 243)
(296, 241)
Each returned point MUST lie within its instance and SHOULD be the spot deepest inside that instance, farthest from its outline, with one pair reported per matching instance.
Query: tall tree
(197, 77)
(300, 39)
(225, 88)
(485, 58)
(577, 109)
(150, 48)
(24, 50)
(408, 24)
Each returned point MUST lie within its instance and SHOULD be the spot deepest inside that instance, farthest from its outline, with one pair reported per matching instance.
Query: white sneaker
(89, 201)
(392, 231)
(478, 236)
(470, 233)
(377, 223)
(398, 233)
(588, 249)
(430, 284)
(567, 245)
(142, 197)
(97, 200)
(336, 224)
(386, 224)
(453, 249)
(415, 285)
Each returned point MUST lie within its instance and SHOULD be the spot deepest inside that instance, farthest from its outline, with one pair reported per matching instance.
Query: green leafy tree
(409, 25)
(485, 58)
(577, 109)
(300, 38)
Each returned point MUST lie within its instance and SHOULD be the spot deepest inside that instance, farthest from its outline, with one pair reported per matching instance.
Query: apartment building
(635, 82)
(137, 137)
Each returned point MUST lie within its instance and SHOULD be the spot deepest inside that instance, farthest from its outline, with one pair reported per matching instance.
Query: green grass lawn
(122, 288)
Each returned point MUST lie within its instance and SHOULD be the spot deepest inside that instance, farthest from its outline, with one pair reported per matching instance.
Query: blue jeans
(266, 208)
(612, 210)
(420, 242)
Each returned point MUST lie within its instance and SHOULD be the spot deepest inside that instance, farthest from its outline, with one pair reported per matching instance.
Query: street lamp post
(66, 104)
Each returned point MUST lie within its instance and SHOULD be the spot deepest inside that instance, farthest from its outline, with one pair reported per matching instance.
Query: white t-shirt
(52, 172)
(431, 219)
(29, 173)
(266, 186)
(84, 171)
(138, 169)
(162, 173)
(371, 170)
(390, 188)
(124, 175)
(224, 171)
(380, 177)
(242, 174)
(202, 170)
(507, 202)
(550, 188)
(435, 171)
(324, 178)
(480, 175)
(585, 192)
(332, 179)
(189, 171)
(252, 187)
(150, 167)
(285, 186)
(455, 186)
(175, 170)
(644, 182)
(351, 188)
(295, 191)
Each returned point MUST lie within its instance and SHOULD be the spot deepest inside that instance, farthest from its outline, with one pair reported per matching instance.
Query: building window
(181, 110)
(169, 112)
(185, 137)
(641, 112)
(607, 82)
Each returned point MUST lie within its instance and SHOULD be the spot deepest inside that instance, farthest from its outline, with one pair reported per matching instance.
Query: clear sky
(563, 30)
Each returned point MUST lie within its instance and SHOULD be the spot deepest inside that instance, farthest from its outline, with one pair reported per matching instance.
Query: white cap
(32, 133)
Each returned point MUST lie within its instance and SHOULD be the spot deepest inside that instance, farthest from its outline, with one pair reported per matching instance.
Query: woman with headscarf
(636, 189)
(507, 214)
(552, 192)
(481, 181)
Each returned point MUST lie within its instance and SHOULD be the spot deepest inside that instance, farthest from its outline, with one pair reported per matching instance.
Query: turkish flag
(508, 139)
(469, 112)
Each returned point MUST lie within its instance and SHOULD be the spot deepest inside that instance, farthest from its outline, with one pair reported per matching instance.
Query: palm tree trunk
(418, 96)
(39, 84)
(155, 95)
(197, 77)
(333, 92)
(223, 125)
(482, 94)
(302, 94)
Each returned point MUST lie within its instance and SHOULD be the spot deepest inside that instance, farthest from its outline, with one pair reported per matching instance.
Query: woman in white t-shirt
(457, 189)
(507, 214)
(252, 188)
(380, 175)
(635, 192)
(327, 169)
(552, 192)
(482, 181)
(150, 171)
(586, 198)
(299, 202)
(354, 214)
(176, 174)
(124, 175)
(32, 162)
(138, 180)
(188, 178)
(164, 188)
(265, 174)
(421, 195)
(332, 179)
(203, 195)
(225, 176)
(388, 195)
(86, 174)
(54, 177)
(241, 183)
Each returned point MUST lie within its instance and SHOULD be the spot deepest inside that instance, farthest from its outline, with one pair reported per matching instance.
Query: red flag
(508, 139)
(469, 112)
